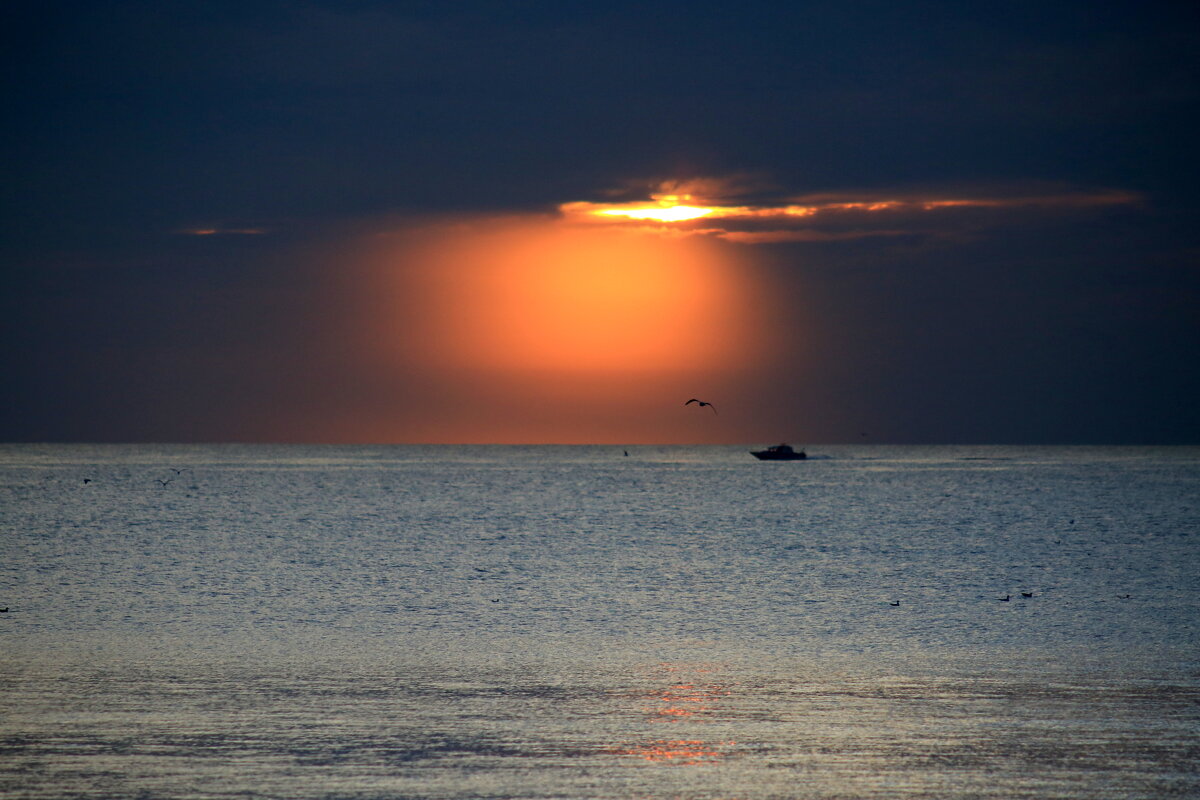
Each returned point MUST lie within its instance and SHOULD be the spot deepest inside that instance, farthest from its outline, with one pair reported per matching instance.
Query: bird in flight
(164, 483)
(701, 404)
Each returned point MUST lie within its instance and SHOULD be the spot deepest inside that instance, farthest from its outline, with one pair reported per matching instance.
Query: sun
(678, 213)
(663, 208)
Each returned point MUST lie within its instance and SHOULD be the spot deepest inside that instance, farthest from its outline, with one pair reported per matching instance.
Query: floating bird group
(1008, 598)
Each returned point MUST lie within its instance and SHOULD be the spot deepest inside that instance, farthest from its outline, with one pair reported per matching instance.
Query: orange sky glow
(596, 323)
(539, 328)
(538, 296)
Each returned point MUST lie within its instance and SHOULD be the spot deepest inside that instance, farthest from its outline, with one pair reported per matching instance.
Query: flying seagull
(164, 483)
(701, 404)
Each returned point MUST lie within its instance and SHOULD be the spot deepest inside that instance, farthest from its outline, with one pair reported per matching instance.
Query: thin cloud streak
(703, 208)
(222, 232)
(779, 236)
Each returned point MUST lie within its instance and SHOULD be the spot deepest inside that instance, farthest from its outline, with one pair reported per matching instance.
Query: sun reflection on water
(677, 751)
(684, 700)
(687, 702)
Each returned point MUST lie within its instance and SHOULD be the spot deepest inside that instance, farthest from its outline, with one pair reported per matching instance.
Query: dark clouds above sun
(368, 221)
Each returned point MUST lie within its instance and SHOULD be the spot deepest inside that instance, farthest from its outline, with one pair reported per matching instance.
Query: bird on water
(701, 404)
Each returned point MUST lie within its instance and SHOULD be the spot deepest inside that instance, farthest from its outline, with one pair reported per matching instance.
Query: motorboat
(779, 452)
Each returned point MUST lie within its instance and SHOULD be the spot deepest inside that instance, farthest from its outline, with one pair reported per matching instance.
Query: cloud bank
(710, 207)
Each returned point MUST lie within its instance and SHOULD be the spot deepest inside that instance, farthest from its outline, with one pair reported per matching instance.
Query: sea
(646, 622)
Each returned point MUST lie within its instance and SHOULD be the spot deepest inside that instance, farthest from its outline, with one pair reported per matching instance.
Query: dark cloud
(278, 126)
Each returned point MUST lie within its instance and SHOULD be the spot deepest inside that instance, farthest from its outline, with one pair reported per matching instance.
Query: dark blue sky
(128, 123)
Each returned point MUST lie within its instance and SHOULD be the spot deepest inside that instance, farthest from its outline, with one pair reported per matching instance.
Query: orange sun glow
(541, 328)
(543, 295)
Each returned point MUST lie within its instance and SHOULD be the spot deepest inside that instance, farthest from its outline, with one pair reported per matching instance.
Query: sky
(535, 222)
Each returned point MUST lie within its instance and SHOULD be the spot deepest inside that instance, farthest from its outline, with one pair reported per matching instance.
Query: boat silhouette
(779, 452)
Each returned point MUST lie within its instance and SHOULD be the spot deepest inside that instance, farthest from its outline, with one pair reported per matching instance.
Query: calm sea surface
(571, 622)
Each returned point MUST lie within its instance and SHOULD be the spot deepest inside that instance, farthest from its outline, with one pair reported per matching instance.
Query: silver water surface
(254, 621)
